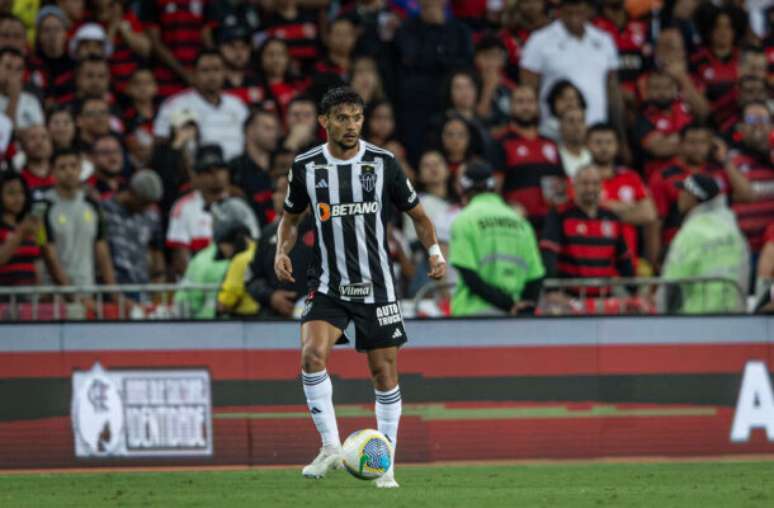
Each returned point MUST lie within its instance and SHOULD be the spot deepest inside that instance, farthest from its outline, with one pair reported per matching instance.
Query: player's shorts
(377, 325)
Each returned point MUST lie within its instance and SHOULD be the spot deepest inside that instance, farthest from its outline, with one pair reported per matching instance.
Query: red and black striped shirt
(123, 61)
(301, 34)
(719, 78)
(20, 269)
(180, 23)
(532, 174)
(634, 47)
(576, 245)
(754, 217)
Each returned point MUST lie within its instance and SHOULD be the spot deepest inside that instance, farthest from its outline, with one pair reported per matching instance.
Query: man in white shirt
(571, 48)
(21, 107)
(221, 115)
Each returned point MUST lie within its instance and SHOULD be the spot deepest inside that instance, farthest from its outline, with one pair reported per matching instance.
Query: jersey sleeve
(531, 56)
(178, 235)
(402, 193)
(297, 199)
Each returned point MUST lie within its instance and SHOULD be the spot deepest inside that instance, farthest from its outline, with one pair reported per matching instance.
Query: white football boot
(328, 459)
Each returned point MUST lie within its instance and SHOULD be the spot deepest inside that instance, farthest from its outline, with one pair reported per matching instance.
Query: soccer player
(351, 188)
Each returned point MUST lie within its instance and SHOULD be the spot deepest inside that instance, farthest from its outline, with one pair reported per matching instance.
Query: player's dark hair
(64, 152)
(338, 96)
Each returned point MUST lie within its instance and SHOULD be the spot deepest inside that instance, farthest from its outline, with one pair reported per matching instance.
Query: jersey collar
(333, 160)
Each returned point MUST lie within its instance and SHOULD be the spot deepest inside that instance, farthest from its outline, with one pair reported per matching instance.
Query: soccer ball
(367, 454)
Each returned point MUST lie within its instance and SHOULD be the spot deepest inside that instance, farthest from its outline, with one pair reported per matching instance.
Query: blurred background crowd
(149, 140)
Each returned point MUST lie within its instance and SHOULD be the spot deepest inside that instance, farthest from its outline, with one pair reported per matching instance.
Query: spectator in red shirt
(131, 45)
(716, 64)
(61, 127)
(583, 238)
(53, 71)
(658, 126)
(530, 173)
(699, 153)
(297, 27)
(38, 148)
(749, 89)
(631, 37)
(623, 191)
(18, 229)
(754, 156)
(280, 85)
(175, 30)
(670, 56)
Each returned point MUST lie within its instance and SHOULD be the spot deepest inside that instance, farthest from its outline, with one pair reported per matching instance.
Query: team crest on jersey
(368, 177)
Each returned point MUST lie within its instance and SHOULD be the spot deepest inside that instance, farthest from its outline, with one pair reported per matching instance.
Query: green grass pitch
(576, 485)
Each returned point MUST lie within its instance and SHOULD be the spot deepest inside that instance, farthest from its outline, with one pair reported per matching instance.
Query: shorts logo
(326, 212)
(388, 314)
(356, 290)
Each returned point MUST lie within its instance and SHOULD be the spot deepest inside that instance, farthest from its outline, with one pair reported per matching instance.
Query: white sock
(388, 408)
(319, 398)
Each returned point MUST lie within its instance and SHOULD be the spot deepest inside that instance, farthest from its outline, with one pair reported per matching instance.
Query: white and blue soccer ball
(367, 454)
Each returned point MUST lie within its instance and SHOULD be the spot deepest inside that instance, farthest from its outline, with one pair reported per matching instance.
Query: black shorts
(377, 325)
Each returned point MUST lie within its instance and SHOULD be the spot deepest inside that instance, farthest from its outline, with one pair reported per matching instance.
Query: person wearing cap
(708, 244)
(494, 250)
(133, 230)
(235, 48)
(190, 224)
(52, 67)
(234, 230)
(90, 40)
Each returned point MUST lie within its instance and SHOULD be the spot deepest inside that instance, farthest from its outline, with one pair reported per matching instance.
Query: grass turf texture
(577, 485)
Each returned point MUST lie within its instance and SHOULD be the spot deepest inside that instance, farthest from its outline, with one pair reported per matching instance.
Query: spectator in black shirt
(427, 48)
(277, 298)
(250, 171)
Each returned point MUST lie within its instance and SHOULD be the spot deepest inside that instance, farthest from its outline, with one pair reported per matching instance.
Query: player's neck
(341, 153)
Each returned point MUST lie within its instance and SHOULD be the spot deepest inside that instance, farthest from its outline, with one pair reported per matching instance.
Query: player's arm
(287, 233)
(426, 235)
(296, 201)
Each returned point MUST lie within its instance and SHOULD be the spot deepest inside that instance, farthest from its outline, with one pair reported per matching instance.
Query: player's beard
(344, 145)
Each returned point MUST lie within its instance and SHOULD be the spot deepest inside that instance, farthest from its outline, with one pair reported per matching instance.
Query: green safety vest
(490, 238)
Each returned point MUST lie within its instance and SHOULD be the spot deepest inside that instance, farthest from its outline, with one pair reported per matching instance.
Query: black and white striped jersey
(352, 201)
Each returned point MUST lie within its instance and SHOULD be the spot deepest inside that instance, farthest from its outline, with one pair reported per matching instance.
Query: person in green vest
(708, 244)
(206, 267)
(494, 250)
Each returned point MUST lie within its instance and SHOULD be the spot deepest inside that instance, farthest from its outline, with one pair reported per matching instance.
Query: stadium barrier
(163, 393)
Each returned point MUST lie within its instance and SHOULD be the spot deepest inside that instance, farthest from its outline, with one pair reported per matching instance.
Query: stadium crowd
(150, 140)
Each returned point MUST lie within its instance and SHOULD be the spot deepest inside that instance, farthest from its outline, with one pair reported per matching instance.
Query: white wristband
(435, 250)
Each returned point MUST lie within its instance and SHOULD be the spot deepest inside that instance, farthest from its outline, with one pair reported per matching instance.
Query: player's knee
(313, 358)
